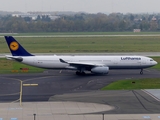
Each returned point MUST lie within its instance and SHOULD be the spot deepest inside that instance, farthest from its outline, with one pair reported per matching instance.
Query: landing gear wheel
(80, 73)
(77, 73)
(83, 73)
(141, 72)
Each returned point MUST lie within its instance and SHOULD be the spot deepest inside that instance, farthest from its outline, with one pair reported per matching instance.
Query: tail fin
(15, 48)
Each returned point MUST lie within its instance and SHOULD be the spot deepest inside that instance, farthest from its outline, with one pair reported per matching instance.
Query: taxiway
(56, 85)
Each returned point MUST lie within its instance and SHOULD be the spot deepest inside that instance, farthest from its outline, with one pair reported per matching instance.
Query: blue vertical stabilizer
(15, 48)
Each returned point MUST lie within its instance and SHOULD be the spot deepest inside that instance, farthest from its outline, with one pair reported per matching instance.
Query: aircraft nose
(155, 63)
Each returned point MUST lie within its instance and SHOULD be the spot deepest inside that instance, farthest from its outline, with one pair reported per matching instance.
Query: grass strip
(86, 44)
(9, 66)
(150, 83)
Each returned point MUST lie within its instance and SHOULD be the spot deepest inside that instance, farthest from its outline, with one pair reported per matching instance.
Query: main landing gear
(141, 72)
(80, 73)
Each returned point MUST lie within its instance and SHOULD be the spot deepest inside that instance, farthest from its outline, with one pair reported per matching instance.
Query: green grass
(8, 66)
(87, 44)
(153, 83)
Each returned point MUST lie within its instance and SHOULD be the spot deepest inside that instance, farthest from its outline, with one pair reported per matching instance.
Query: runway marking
(30, 84)
(146, 117)
(9, 94)
(31, 79)
(15, 108)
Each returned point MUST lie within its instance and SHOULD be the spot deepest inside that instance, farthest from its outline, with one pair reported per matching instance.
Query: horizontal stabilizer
(19, 59)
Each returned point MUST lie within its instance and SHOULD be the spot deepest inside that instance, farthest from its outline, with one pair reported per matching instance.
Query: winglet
(61, 60)
(15, 48)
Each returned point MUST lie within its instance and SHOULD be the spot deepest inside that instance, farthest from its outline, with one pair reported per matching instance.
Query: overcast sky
(90, 6)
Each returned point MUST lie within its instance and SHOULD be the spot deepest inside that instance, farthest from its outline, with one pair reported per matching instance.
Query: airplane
(81, 64)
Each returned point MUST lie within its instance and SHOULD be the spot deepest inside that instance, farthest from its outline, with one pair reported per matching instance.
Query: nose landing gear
(141, 72)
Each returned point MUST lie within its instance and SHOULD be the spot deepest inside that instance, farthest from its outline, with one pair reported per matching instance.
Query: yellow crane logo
(14, 46)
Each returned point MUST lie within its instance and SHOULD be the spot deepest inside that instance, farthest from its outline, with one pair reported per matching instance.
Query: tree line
(83, 22)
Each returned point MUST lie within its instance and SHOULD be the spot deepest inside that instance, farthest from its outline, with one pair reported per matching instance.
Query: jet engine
(100, 70)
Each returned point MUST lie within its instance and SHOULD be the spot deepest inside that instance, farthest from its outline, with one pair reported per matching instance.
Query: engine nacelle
(100, 70)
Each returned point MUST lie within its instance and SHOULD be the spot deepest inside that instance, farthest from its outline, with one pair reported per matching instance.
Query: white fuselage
(113, 62)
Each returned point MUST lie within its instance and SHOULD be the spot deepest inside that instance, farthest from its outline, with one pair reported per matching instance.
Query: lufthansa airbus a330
(94, 64)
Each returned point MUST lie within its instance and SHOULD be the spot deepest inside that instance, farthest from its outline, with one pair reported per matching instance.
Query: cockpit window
(151, 59)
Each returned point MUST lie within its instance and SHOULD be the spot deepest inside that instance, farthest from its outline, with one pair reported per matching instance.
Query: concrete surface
(52, 110)
(64, 111)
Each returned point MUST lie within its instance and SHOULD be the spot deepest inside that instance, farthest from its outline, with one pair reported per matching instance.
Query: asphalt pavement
(53, 83)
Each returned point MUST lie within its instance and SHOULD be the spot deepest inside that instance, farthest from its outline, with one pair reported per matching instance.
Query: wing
(81, 65)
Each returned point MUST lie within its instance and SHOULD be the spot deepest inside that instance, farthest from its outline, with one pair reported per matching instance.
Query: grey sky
(90, 6)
